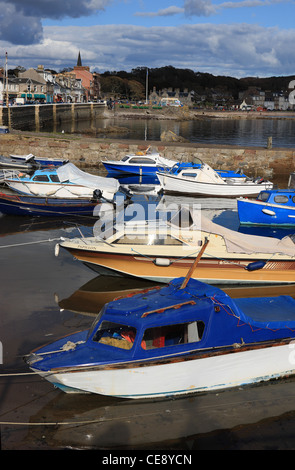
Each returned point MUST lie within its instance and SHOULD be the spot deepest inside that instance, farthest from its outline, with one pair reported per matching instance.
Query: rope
(32, 243)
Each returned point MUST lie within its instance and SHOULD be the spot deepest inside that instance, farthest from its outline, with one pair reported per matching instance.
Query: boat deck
(274, 310)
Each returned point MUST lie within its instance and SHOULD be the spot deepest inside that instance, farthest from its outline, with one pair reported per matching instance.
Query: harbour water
(243, 132)
(44, 297)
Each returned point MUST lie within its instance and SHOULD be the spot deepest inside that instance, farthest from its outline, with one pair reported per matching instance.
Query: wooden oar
(193, 266)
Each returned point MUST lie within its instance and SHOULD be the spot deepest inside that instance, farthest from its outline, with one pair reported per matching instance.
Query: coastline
(185, 113)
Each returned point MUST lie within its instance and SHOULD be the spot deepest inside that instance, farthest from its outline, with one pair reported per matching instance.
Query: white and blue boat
(184, 338)
(42, 161)
(66, 181)
(272, 207)
(139, 164)
(190, 169)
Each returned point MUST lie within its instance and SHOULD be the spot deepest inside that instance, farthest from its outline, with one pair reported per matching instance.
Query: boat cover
(237, 242)
(69, 172)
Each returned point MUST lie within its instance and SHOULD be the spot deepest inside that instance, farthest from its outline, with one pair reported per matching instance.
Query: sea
(45, 297)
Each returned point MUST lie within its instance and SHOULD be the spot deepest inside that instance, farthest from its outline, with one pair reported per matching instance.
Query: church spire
(79, 61)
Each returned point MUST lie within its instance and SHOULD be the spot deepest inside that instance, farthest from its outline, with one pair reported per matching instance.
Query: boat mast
(193, 266)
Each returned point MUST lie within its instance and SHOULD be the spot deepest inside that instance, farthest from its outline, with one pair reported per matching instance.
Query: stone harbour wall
(88, 152)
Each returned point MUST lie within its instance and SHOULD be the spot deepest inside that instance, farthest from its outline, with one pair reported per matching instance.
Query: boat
(15, 164)
(189, 169)
(66, 181)
(181, 339)
(42, 161)
(22, 204)
(273, 207)
(207, 182)
(142, 163)
(162, 250)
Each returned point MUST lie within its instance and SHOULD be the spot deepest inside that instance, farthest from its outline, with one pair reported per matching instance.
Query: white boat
(207, 182)
(64, 181)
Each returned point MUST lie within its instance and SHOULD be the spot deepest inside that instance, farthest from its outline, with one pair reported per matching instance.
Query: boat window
(171, 335)
(281, 199)
(125, 158)
(293, 199)
(54, 178)
(115, 334)
(263, 196)
(190, 175)
(148, 239)
(43, 178)
(141, 160)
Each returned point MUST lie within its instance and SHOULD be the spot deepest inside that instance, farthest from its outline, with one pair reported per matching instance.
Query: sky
(237, 38)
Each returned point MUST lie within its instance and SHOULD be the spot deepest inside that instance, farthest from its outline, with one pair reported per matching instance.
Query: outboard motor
(97, 195)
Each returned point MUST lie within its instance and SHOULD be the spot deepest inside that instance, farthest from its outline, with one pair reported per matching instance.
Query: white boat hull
(179, 377)
(52, 190)
(174, 184)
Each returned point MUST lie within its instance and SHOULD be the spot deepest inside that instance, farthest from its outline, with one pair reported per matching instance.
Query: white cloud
(173, 10)
(236, 50)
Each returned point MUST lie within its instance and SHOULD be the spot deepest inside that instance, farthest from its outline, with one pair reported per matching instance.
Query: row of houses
(42, 86)
(253, 98)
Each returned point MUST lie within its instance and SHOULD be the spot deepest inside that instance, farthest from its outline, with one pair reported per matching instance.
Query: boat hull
(260, 213)
(164, 269)
(38, 206)
(173, 184)
(133, 169)
(166, 377)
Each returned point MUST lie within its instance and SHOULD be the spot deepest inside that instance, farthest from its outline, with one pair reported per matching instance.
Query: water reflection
(243, 132)
(252, 416)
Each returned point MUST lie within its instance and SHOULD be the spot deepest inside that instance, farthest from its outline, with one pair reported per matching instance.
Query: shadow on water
(44, 297)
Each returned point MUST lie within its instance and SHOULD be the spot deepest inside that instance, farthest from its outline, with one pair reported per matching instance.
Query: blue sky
(236, 38)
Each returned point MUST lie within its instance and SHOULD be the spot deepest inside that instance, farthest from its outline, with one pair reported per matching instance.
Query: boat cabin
(278, 196)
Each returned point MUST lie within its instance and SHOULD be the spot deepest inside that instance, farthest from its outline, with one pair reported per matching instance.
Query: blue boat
(20, 204)
(139, 164)
(183, 338)
(272, 207)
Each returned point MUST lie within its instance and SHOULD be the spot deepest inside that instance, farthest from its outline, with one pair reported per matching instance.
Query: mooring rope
(33, 243)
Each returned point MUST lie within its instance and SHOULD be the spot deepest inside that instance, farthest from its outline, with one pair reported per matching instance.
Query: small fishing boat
(142, 163)
(11, 163)
(42, 161)
(273, 207)
(66, 181)
(184, 338)
(22, 204)
(208, 182)
(163, 250)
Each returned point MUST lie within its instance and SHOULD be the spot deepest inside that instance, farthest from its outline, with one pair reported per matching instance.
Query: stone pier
(88, 152)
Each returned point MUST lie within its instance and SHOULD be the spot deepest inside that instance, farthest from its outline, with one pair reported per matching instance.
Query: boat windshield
(263, 196)
(141, 160)
(115, 334)
(148, 239)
